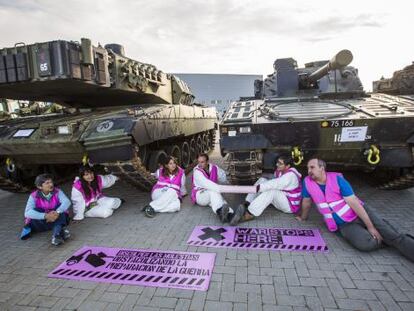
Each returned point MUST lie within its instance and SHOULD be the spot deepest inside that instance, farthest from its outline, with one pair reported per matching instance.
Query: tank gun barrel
(340, 60)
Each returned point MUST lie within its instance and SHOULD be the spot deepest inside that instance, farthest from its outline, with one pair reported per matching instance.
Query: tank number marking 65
(104, 126)
(44, 67)
(337, 123)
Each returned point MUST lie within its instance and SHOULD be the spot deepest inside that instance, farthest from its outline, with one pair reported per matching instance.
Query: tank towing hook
(10, 166)
(373, 155)
(297, 155)
(85, 160)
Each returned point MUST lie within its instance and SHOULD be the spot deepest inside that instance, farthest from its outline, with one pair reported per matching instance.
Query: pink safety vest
(166, 181)
(44, 204)
(330, 202)
(294, 196)
(94, 196)
(213, 177)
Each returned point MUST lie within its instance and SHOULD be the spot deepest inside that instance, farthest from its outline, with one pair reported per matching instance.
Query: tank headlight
(63, 129)
(245, 129)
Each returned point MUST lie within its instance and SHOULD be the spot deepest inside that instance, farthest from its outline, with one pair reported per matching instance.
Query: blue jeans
(40, 225)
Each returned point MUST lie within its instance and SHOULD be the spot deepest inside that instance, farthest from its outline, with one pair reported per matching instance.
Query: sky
(224, 36)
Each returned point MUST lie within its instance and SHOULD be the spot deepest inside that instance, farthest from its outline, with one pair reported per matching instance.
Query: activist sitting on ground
(344, 213)
(205, 190)
(87, 197)
(46, 209)
(283, 192)
(169, 190)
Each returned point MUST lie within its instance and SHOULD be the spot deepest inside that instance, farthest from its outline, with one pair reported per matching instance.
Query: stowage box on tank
(119, 112)
(320, 110)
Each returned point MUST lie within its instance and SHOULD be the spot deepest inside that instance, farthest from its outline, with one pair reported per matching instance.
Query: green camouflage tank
(115, 111)
(320, 110)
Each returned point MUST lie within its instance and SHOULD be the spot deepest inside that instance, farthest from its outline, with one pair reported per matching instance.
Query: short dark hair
(287, 160)
(205, 155)
(42, 178)
(321, 162)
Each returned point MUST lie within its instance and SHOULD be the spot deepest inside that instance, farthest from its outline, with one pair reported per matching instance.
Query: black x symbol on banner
(211, 233)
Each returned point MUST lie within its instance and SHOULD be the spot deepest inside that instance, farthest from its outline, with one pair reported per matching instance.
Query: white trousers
(210, 198)
(104, 208)
(260, 201)
(165, 200)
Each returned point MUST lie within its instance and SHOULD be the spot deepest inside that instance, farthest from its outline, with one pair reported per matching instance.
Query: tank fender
(107, 128)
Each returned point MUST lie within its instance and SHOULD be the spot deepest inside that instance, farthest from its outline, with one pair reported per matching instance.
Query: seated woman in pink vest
(46, 209)
(283, 192)
(344, 213)
(169, 190)
(87, 197)
(205, 188)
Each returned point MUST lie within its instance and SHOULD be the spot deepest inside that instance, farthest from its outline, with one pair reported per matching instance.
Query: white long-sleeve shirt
(201, 182)
(183, 189)
(78, 202)
(287, 181)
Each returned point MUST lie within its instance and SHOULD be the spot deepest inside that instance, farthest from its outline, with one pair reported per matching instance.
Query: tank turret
(82, 75)
(315, 78)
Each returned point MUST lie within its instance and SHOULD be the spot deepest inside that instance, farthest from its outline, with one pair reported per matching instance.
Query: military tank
(320, 110)
(120, 113)
(401, 83)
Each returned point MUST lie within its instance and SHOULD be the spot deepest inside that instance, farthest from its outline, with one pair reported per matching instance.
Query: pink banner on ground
(237, 189)
(138, 267)
(279, 239)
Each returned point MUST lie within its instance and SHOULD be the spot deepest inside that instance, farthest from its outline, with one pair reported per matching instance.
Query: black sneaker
(238, 214)
(224, 212)
(149, 211)
(57, 240)
(65, 234)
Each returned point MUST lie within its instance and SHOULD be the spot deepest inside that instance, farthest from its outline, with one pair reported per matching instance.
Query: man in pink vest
(205, 190)
(344, 213)
(46, 209)
(283, 192)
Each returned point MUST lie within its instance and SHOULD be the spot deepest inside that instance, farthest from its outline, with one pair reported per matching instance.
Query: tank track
(11, 186)
(135, 173)
(402, 182)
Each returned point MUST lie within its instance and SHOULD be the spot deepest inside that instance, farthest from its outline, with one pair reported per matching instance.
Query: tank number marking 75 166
(337, 123)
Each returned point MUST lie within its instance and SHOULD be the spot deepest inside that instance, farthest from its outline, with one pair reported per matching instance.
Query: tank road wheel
(193, 149)
(175, 152)
(142, 153)
(156, 158)
(205, 143)
(209, 141)
(185, 154)
(212, 135)
(199, 144)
